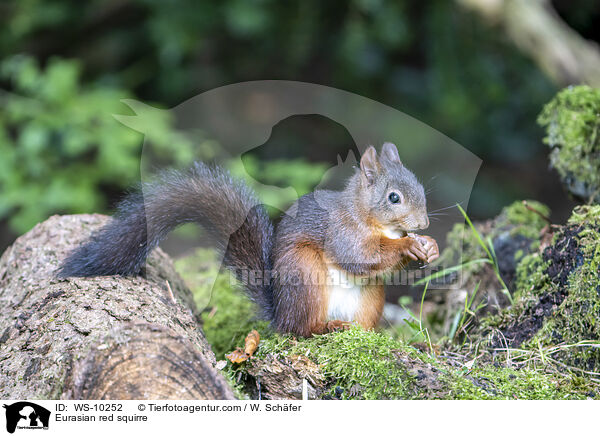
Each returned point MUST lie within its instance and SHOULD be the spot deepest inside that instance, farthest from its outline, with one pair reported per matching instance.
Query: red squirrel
(317, 262)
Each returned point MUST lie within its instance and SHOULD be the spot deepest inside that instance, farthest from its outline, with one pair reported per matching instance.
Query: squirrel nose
(424, 223)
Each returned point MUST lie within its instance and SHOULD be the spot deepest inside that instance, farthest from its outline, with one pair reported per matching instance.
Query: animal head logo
(27, 415)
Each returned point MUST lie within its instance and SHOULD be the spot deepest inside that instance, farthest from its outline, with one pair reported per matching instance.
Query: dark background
(66, 64)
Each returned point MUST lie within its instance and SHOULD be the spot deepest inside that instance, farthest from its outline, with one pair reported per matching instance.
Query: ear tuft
(390, 153)
(368, 164)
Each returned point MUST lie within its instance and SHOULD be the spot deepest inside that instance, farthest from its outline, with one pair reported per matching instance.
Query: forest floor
(523, 325)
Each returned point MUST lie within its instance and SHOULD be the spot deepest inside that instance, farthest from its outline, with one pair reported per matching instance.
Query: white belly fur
(345, 293)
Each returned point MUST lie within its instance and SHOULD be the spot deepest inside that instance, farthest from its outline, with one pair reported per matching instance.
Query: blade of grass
(449, 270)
(468, 307)
(422, 301)
(489, 249)
(474, 230)
(454, 326)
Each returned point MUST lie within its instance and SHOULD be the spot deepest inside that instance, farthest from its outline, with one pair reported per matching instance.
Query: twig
(170, 291)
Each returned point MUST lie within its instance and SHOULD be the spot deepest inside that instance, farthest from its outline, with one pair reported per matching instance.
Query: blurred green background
(65, 66)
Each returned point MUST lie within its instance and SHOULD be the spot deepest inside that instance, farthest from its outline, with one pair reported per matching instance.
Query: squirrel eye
(394, 197)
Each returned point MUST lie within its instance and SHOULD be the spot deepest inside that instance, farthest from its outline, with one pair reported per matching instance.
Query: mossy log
(571, 121)
(359, 364)
(97, 338)
(556, 315)
(514, 233)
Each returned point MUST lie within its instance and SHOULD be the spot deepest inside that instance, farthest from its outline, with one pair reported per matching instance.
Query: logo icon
(26, 415)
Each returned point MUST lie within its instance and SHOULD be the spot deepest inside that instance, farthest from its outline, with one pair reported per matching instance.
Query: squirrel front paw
(430, 246)
(412, 248)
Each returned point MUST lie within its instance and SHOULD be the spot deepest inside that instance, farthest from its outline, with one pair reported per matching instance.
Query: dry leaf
(237, 356)
(251, 342)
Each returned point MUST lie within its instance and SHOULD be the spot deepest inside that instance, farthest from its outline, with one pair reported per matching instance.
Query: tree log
(101, 337)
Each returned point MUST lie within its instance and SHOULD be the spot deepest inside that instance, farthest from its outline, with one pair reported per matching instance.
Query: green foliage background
(60, 145)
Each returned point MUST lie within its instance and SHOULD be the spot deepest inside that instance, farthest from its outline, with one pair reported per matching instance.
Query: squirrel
(315, 267)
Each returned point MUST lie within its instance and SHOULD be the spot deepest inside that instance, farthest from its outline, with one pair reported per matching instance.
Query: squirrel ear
(368, 164)
(390, 152)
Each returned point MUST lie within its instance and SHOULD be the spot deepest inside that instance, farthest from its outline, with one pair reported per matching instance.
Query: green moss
(531, 277)
(227, 314)
(577, 319)
(526, 218)
(556, 315)
(585, 215)
(513, 234)
(490, 382)
(572, 131)
(361, 364)
(462, 246)
(231, 378)
(519, 255)
(353, 361)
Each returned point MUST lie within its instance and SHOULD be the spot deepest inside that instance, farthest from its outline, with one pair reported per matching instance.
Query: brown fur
(301, 274)
(371, 306)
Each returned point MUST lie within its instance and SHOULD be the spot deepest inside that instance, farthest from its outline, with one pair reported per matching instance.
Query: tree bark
(101, 337)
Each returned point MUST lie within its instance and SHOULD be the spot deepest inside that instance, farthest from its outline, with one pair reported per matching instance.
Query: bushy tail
(228, 209)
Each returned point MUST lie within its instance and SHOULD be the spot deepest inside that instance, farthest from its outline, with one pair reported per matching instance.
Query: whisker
(444, 208)
(432, 178)
(428, 184)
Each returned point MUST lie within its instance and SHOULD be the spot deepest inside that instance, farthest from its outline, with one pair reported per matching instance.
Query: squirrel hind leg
(371, 306)
(337, 325)
(299, 293)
